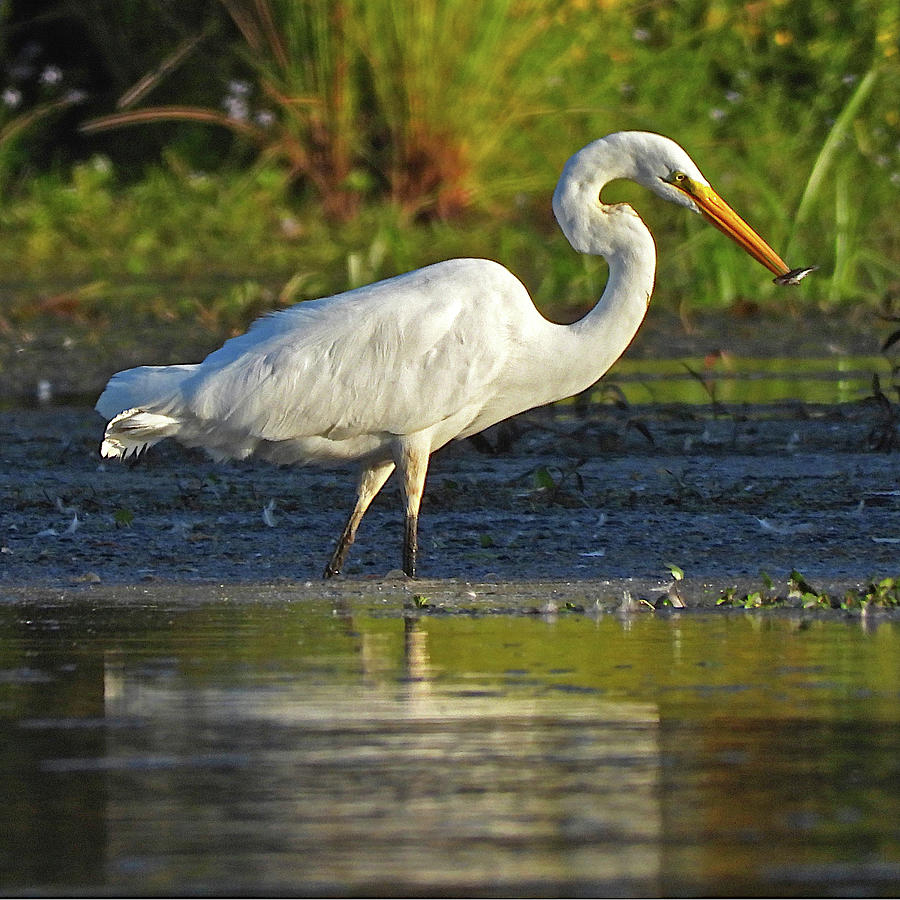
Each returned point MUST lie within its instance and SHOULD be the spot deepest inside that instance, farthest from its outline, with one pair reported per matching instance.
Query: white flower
(239, 88)
(100, 163)
(51, 75)
(236, 108)
(11, 98)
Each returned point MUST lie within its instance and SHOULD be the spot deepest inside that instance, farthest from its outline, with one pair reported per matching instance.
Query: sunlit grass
(391, 135)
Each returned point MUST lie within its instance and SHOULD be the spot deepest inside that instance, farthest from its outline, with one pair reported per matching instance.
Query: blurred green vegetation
(281, 149)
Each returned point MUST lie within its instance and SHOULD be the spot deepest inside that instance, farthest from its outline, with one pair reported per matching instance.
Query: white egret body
(388, 373)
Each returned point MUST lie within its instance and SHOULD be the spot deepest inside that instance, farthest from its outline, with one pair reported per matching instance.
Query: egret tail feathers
(145, 386)
(133, 430)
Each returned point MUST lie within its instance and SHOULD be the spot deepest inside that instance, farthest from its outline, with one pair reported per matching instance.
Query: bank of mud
(604, 501)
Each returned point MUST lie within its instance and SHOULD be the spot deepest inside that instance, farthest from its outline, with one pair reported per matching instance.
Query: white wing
(397, 356)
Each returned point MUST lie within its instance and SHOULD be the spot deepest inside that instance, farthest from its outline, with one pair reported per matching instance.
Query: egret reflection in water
(251, 744)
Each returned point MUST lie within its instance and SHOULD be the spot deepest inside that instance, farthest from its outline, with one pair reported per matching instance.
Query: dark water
(253, 746)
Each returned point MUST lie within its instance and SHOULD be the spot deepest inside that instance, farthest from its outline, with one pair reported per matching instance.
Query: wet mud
(560, 506)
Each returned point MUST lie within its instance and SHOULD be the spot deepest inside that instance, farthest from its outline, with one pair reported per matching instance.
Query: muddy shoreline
(572, 507)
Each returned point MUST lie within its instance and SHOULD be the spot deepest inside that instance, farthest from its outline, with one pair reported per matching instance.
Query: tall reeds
(439, 107)
(416, 95)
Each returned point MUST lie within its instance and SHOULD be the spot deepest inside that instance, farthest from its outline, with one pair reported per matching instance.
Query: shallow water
(743, 380)
(254, 744)
(729, 379)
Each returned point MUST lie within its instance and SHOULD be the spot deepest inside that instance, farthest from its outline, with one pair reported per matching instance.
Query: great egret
(388, 373)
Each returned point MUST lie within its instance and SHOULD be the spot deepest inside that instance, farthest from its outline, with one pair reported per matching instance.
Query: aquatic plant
(883, 593)
(673, 595)
(561, 485)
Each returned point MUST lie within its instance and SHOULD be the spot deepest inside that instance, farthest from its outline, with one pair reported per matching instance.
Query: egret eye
(677, 179)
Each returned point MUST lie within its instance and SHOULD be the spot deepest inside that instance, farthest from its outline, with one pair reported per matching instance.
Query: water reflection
(747, 380)
(252, 746)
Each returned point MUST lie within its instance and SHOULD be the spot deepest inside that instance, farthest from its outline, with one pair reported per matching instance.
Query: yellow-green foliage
(391, 134)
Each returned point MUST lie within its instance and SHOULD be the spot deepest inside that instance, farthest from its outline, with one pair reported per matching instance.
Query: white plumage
(387, 373)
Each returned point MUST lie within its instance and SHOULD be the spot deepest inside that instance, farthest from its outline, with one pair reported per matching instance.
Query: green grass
(398, 134)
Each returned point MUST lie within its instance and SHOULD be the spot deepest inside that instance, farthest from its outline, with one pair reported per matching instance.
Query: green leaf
(676, 571)
(123, 517)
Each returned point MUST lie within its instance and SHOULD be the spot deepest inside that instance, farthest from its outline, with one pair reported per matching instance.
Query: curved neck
(618, 313)
(564, 360)
(585, 350)
(592, 344)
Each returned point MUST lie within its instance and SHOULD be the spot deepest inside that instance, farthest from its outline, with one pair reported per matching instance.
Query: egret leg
(410, 544)
(412, 461)
(371, 480)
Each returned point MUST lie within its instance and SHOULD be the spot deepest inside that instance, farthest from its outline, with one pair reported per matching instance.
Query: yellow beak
(717, 212)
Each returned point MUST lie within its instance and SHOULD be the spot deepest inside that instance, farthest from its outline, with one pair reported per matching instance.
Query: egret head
(718, 213)
(659, 164)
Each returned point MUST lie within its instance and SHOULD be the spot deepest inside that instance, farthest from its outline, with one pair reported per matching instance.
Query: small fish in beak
(795, 276)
